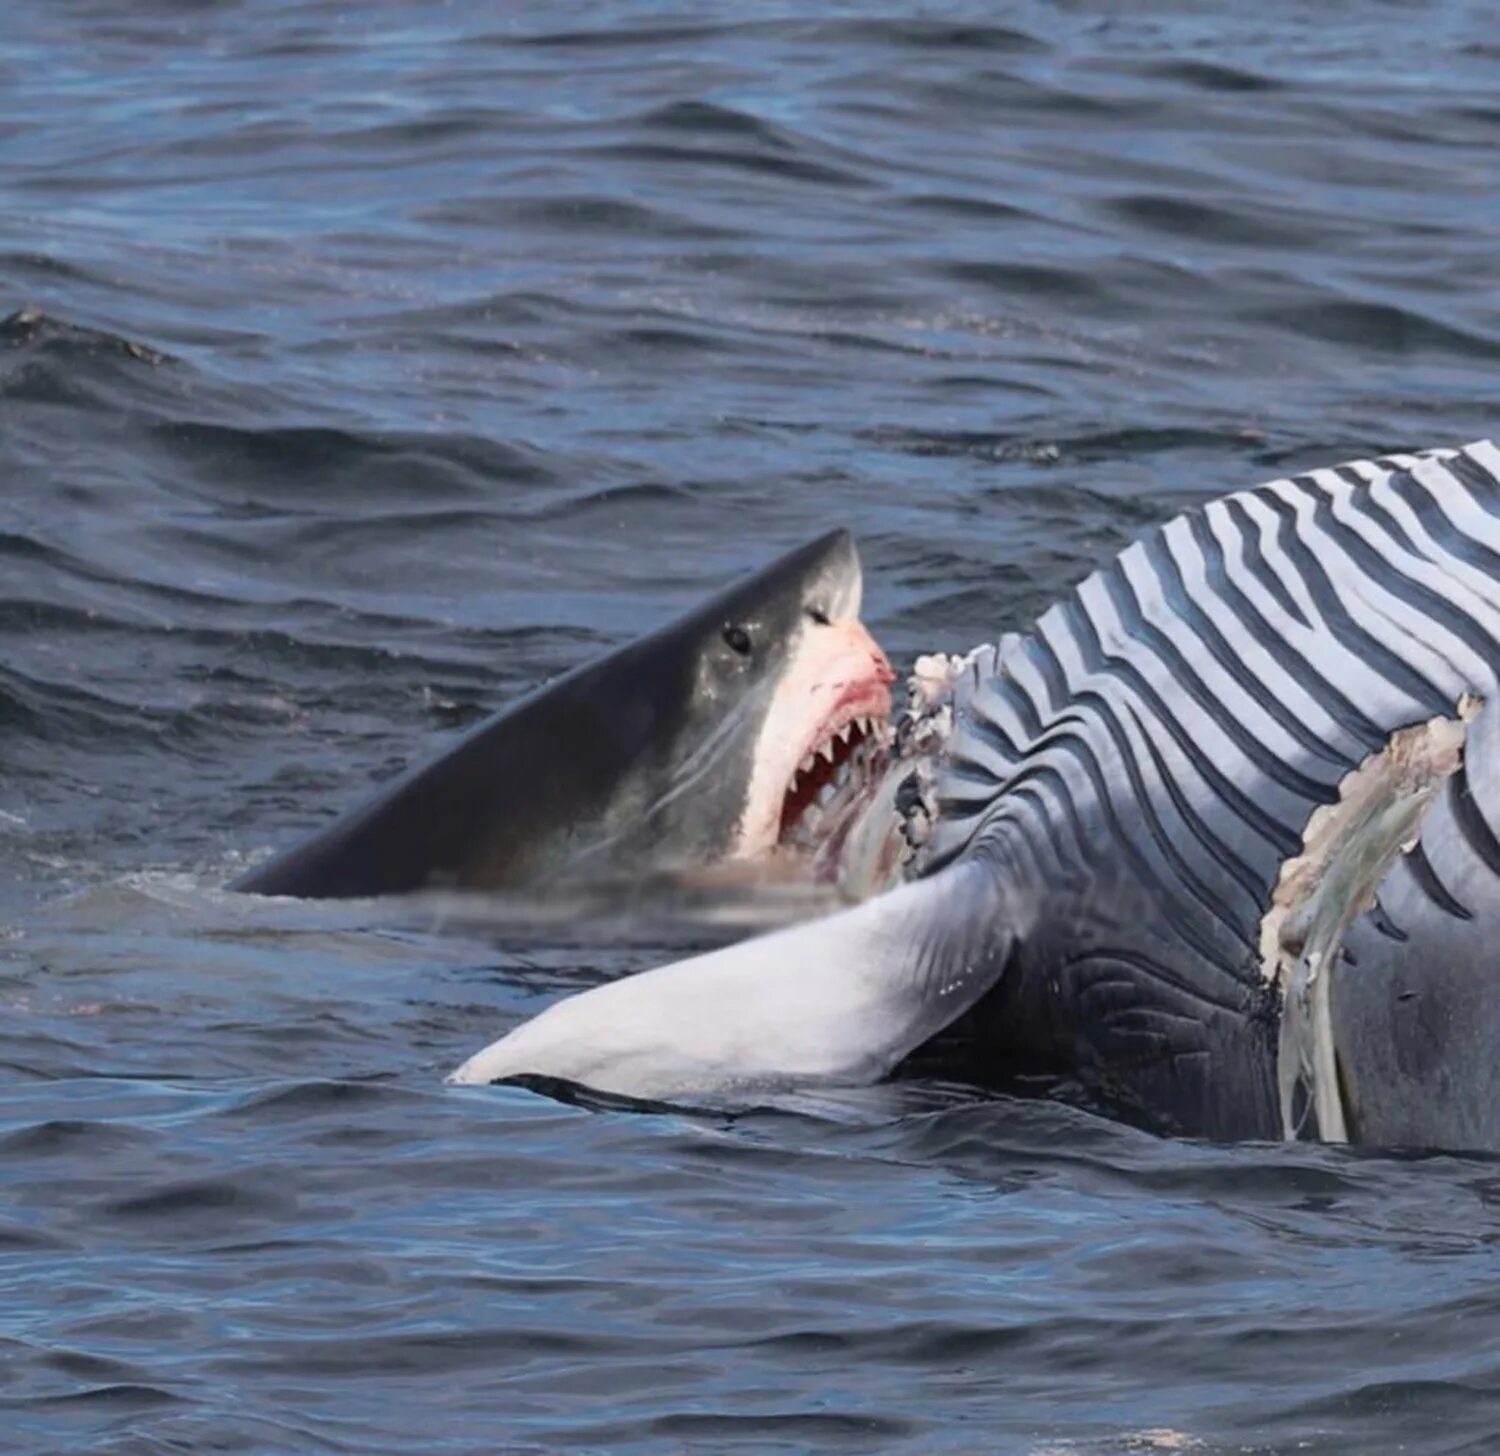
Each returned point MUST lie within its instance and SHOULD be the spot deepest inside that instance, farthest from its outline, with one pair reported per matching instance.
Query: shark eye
(819, 616)
(738, 639)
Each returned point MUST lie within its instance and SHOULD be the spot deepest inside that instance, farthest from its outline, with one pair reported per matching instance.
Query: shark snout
(849, 664)
(859, 644)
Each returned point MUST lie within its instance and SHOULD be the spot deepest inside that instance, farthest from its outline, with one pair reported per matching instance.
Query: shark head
(765, 701)
(707, 743)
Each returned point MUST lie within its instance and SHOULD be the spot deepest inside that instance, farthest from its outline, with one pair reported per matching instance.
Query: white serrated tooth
(845, 731)
(806, 765)
(827, 751)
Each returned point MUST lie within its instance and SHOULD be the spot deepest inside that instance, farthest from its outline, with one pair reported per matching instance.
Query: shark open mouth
(861, 808)
(838, 770)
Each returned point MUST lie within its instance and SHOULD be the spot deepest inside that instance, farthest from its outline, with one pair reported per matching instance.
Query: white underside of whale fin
(840, 1000)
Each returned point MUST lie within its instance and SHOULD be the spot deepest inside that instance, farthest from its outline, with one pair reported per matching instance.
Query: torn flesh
(858, 819)
(1347, 848)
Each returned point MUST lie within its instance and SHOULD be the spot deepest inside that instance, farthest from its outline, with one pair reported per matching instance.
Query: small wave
(312, 467)
(803, 1430)
(624, 37)
(203, 1207)
(612, 217)
(30, 328)
(49, 361)
(298, 1101)
(74, 1137)
(116, 1399)
(1201, 221)
(983, 209)
(43, 709)
(1069, 287)
(1129, 443)
(778, 167)
(1383, 328)
(44, 267)
(928, 35)
(1209, 76)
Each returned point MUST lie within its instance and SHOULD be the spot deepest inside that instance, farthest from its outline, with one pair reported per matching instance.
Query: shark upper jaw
(828, 716)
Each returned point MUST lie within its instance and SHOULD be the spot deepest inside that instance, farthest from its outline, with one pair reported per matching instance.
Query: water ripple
(362, 368)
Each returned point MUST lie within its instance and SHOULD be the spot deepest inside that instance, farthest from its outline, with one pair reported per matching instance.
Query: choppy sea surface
(364, 365)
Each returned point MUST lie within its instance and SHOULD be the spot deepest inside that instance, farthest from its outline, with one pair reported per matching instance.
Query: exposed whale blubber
(705, 741)
(1413, 1014)
(1348, 848)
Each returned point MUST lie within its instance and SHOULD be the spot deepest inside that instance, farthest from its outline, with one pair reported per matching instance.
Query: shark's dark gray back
(1145, 759)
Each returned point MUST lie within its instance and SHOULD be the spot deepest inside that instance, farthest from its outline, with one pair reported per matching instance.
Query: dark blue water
(367, 365)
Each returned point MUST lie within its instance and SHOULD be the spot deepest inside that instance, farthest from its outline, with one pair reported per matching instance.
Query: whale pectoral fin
(840, 1000)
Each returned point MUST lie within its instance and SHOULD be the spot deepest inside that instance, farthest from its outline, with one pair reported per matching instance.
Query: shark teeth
(857, 734)
(831, 777)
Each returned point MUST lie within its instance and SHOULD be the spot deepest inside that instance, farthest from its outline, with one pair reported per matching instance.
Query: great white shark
(1219, 836)
(722, 737)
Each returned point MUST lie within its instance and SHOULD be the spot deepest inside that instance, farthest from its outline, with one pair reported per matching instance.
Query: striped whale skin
(1140, 765)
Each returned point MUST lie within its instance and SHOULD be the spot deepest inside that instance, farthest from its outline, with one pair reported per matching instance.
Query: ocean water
(364, 365)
